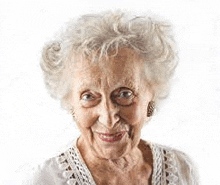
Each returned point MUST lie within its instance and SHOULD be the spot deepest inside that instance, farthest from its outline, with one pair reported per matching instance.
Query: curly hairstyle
(109, 31)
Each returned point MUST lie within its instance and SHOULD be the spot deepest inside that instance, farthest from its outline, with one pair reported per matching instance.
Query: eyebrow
(131, 84)
(95, 85)
(83, 86)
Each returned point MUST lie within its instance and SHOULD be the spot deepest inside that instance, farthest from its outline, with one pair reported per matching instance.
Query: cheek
(134, 114)
(84, 118)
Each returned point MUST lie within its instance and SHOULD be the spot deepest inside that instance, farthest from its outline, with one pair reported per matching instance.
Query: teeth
(104, 136)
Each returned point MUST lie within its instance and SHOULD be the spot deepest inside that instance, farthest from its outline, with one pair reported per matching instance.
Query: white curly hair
(109, 31)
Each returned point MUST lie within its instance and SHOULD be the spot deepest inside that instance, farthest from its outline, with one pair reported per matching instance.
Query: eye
(124, 97)
(125, 94)
(89, 99)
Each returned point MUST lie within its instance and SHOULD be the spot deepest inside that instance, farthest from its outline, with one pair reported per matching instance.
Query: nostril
(108, 114)
(109, 121)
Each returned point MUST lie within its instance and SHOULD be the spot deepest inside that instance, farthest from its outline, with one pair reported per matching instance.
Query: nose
(108, 115)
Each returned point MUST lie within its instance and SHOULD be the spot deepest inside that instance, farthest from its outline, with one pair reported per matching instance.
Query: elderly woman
(109, 70)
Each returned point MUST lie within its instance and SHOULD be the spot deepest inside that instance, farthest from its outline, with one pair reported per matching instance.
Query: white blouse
(170, 167)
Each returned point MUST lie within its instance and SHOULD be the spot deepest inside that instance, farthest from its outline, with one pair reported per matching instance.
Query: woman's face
(110, 101)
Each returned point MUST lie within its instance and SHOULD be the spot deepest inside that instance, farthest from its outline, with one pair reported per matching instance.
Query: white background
(33, 127)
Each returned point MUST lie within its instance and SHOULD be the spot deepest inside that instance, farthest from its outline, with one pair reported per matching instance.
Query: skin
(110, 99)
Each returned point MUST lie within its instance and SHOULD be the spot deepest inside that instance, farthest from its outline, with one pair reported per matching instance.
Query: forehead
(124, 69)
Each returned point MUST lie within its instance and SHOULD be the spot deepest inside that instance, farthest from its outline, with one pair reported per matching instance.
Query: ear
(150, 108)
(152, 104)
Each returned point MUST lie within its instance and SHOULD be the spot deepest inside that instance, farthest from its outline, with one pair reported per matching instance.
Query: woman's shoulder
(65, 168)
(47, 172)
(174, 165)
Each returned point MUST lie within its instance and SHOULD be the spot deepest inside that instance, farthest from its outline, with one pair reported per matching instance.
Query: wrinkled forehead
(125, 68)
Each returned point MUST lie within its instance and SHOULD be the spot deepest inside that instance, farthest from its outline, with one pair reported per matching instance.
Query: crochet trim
(77, 173)
(164, 166)
(74, 168)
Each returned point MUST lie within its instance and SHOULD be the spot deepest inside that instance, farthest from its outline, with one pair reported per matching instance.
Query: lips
(110, 138)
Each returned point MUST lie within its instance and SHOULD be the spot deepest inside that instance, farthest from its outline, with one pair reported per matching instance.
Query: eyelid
(121, 100)
(84, 93)
(91, 101)
(122, 89)
(94, 94)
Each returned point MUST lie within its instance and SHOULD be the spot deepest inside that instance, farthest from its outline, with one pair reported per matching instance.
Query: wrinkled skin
(110, 100)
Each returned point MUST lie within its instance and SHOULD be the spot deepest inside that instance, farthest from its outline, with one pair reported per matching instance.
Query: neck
(128, 162)
(122, 164)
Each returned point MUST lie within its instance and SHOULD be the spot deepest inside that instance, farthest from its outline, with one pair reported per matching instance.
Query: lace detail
(157, 165)
(75, 170)
(165, 170)
(165, 167)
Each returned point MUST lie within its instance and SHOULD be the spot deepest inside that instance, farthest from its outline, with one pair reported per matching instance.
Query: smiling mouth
(110, 138)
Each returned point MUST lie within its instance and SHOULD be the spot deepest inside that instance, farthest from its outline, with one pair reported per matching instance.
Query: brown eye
(124, 97)
(89, 99)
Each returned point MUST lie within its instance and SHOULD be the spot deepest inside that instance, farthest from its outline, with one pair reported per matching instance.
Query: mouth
(110, 138)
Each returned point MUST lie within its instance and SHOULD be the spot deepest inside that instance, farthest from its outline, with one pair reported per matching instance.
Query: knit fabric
(170, 167)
